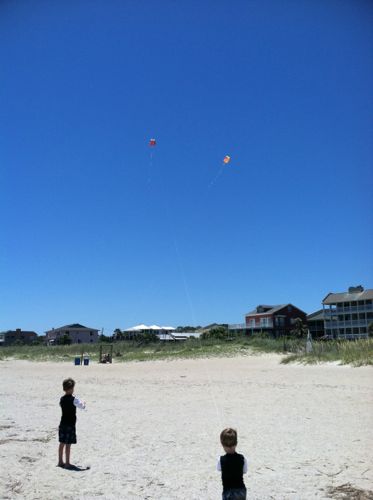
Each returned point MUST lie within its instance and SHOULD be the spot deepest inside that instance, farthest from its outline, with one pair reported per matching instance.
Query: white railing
(349, 309)
(237, 326)
(347, 323)
(249, 326)
(347, 336)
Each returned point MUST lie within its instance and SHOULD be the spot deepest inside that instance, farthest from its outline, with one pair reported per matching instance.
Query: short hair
(68, 383)
(228, 437)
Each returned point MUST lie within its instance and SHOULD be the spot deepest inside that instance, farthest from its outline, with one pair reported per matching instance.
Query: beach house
(73, 334)
(277, 320)
(347, 315)
(162, 332)
(17, 336)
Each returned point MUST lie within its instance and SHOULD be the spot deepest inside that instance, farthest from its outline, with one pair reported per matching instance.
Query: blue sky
(95, 231)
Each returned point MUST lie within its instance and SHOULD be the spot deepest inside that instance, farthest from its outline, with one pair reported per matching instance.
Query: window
(91, 333)
(369, 301)
(363, 330)
(354, 316)
(361, 316)
(264, 321)
(355, 330)
(347, 317)
(251, 323)
(348, 330)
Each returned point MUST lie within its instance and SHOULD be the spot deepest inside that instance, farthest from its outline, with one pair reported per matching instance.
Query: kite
(227, 159)
(152, 143)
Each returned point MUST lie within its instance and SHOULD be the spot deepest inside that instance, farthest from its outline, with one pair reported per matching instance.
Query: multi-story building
(348, 314)
(276, 320)
(17, 336)
(75, 333)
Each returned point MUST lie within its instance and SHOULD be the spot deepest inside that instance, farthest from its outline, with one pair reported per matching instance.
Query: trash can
(77, 361)
(86, 361)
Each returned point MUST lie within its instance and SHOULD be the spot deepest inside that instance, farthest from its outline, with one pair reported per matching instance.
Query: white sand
(152, 429)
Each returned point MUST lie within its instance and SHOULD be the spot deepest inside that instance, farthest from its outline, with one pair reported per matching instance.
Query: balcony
(249, 326)
(237, 326)
(350, 309)
(343, 324)
(348, 336)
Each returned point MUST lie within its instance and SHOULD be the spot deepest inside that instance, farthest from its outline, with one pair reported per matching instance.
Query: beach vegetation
(353, 352)
(218, 332)
(370, 329)
(300, 329)
(346, 352)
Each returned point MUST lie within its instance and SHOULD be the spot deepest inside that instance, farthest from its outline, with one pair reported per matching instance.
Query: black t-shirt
(232, 471)
(68, 410)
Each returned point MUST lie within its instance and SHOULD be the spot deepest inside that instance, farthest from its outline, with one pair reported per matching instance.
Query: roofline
(68, 327)
(326, 296)
(277, 308)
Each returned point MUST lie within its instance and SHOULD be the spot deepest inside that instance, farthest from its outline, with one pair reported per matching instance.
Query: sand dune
(152, 429)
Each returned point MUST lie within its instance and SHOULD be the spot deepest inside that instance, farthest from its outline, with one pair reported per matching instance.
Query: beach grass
(355, 353)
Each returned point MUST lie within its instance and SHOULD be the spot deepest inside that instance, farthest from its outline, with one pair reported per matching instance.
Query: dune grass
(353, 352)
(356, 353)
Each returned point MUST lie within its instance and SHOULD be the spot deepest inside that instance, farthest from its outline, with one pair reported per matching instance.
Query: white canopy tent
(155, 328)
(137, 328)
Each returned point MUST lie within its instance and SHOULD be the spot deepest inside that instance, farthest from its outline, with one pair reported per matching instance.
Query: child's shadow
(76, 468)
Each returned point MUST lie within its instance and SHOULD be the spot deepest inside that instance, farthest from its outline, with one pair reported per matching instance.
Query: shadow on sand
(75, 468)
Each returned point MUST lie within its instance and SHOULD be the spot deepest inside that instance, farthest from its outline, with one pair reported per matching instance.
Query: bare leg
(68, 446)
(60, 455)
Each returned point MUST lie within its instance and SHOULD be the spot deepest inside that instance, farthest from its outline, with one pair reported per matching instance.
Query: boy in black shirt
(232, 466)
(66, 430)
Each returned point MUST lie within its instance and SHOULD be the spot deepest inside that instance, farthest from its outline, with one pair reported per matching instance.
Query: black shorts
(235, 494)
(67, 434)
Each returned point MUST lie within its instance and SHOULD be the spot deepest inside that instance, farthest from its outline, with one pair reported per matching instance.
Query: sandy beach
(151, 430)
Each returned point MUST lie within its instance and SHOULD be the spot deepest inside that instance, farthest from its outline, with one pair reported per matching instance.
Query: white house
(162, 332)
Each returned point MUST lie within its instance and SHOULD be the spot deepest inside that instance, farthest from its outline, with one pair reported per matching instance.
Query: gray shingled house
(348, 314)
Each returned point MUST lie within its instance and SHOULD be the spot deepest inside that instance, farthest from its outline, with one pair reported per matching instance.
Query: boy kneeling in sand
(232, 466)
(66, 430)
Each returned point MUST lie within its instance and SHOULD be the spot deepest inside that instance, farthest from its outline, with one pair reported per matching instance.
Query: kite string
(150, 169)
(207, 373)
(220, 171)
(191, 307)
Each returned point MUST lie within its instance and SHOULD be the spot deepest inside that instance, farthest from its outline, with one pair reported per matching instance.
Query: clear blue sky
(94, 232)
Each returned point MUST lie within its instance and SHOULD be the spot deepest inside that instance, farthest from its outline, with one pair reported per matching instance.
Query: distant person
(232, 466)
(66, 430)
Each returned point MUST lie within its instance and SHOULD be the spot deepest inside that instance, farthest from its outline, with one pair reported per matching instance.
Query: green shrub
(218, 332)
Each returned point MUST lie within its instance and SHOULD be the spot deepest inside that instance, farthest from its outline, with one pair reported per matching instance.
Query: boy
(232, 466)
(66, 430)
